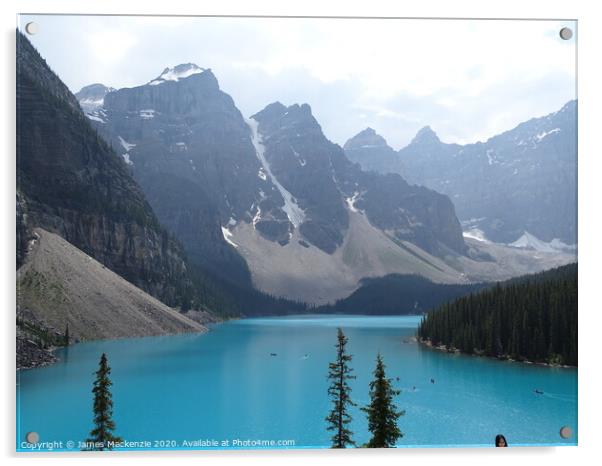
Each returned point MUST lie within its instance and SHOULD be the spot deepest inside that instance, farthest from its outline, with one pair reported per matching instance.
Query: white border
(590, 223)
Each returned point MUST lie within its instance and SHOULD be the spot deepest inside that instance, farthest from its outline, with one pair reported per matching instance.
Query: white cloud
(110, 47)
(466, 79)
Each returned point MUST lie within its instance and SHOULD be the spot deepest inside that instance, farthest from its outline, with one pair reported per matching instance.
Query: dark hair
(500, 437)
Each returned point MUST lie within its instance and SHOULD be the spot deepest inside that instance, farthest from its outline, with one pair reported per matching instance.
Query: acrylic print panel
(239, 233)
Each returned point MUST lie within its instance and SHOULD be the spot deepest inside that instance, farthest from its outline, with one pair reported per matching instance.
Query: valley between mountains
(308, 223)
(159, 208)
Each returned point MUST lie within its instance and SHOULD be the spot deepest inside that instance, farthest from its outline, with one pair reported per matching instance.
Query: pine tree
(382, 412)
(339, 374)
(102, 435)
(529, 318)
(66, 339)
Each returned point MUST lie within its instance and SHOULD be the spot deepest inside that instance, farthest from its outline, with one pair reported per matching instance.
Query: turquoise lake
(226, 386)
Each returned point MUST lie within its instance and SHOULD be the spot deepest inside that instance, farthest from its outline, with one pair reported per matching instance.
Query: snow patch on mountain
(228, 237)
(176, 73)
(147, 114)
(92, 97)
(91, 104)
(543, 134)
(477, 234)
(257, 216)
(301, 160)
(127, 146)
(351, 202)
(126, 158)
(95, 118)
(529, 241)
(295, 213)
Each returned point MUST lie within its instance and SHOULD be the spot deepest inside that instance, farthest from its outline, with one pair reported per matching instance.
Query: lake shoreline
(31, 356)
(226, 384)
(445, 349)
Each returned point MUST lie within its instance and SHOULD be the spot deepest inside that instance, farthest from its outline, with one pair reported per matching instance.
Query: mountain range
(158, 208)
(519, 184)
(269, 202)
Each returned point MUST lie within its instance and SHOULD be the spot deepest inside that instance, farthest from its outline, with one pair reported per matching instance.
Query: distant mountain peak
(92, 97)
(571, 105)
(295, 114)
(176, 73)
(366, 139)
(96, 87)
(426, 135)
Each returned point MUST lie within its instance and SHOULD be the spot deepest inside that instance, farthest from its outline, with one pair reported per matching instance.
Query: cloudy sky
(467, 79)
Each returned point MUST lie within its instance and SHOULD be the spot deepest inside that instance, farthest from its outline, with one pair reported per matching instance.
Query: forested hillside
(533, 318)
(399, 295)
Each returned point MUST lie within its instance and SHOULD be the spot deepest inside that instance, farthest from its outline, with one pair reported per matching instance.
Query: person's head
(500, 441)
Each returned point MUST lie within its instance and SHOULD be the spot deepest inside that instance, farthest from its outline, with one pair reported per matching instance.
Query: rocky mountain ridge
(522, 181)
(269, 202)
(206, 170)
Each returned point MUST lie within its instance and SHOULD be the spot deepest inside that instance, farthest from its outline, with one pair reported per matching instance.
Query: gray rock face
(325, 184)
(300, 157)
(205, 170)
(70, 182)
(192, 152)
(523, 180)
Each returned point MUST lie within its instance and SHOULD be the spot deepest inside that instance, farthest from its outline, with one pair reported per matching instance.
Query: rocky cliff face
(269, 201)
(520, 182)
(72, 183)
(325, 185)
(299, 156)
(205, 169)
(190, 149)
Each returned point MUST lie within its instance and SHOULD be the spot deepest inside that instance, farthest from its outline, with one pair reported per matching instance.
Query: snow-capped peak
(176, 73)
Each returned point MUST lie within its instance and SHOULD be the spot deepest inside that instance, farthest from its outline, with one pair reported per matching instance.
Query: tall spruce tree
(339, 373)
(102, 435)
(382, 412)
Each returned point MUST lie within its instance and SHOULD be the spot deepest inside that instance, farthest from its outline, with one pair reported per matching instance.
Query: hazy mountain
(269, 201)
(520, 182)
(207, 171)
(92, 97)
(355, 224)
(372, 152)
(325, 186)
